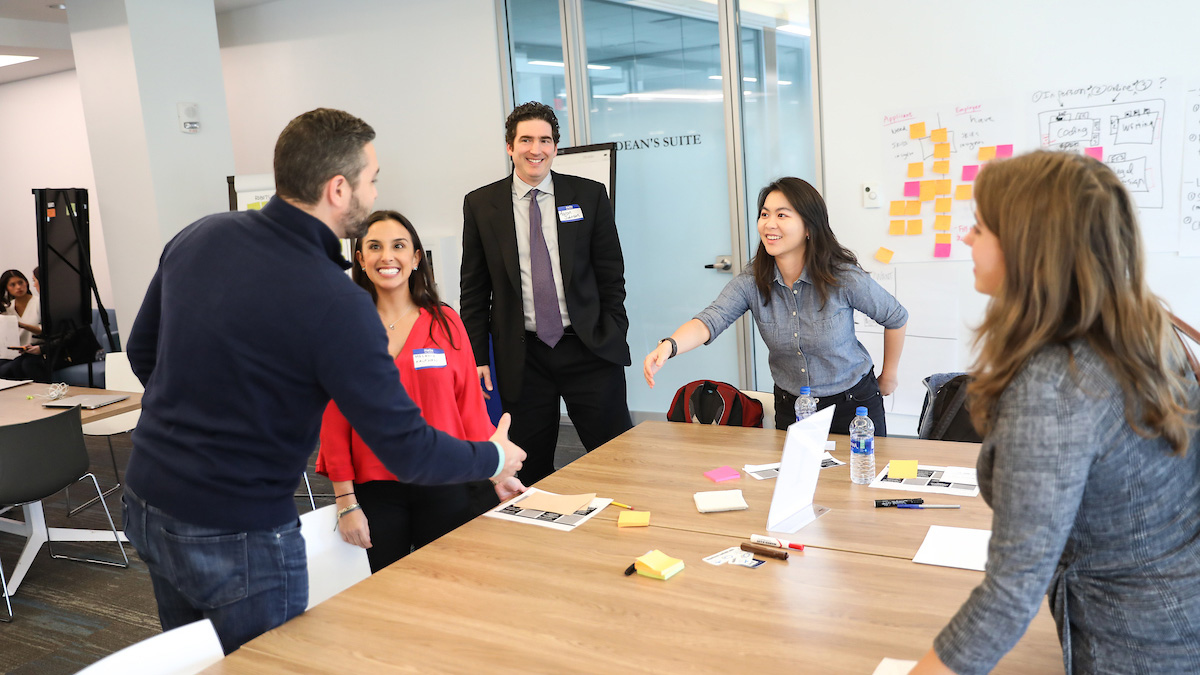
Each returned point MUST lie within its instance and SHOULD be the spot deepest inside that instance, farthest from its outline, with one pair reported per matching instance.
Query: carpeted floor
(71, 614)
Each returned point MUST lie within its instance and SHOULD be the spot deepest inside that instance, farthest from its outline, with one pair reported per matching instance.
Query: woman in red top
(437, 368)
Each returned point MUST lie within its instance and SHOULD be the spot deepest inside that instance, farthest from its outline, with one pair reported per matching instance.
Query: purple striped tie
(545, 296)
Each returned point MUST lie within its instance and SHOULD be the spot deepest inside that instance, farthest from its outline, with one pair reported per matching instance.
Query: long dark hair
(823, 255)
(420, 280)
(5, 298)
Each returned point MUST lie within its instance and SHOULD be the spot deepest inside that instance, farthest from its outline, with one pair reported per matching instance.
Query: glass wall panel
(536, 55)
(655, 90)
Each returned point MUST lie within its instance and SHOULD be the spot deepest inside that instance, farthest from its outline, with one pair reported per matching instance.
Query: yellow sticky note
(943, 187)
(633, 519)
(942, 204)
(942, 223)
(914, 227)
(912, 207)
(883, 255)
(916, 130)
(941, 238)
(941, 151)
(896, 227)
(963, 192)
(941, 166)
(938, 136)
(916, 169)
(902, 468)
(927, 190)
(987, 152)
(896, 208)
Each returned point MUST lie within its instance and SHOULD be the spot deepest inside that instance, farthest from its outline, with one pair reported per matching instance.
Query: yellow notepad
(658, 565)
(633, 519)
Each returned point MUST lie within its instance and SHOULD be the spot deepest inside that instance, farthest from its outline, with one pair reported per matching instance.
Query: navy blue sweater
(248, 328)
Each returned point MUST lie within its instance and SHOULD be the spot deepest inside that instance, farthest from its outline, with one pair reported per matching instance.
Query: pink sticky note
(941, 250)
(1003, 151)
(1095, 153)
(912, 188)
(724, 473)
(969, 171)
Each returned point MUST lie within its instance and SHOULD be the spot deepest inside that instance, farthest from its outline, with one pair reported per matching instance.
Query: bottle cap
(861, 411)
(805, 391)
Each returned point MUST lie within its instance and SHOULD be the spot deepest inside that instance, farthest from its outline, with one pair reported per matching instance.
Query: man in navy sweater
(248, 328)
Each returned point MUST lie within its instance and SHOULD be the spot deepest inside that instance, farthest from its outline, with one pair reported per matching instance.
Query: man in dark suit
(542, 273)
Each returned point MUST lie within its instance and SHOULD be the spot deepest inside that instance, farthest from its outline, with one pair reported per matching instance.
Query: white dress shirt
(520, 198)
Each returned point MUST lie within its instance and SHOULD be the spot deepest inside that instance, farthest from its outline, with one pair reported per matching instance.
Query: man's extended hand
(514, 456)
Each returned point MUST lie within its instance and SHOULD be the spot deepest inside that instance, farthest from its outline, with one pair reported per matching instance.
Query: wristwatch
(674, 346)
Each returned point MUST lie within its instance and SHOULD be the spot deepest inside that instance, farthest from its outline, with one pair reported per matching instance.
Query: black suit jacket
(593, 272)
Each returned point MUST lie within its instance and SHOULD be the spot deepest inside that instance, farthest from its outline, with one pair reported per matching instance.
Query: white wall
(43, 143)
(425, 75)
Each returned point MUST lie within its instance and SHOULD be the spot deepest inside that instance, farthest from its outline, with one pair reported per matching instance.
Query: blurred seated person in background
(437, 368)
(24, 360)
(802, 288)
(1088, 412)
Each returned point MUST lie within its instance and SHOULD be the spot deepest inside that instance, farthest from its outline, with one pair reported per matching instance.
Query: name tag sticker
(428, 358)
(570, 213)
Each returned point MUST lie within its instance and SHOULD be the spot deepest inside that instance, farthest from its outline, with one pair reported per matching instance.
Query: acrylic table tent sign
(792, 504)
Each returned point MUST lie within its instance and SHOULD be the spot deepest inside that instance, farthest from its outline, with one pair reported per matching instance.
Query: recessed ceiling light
(8, 59)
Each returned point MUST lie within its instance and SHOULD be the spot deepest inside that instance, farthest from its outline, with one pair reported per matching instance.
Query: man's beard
(354, 223)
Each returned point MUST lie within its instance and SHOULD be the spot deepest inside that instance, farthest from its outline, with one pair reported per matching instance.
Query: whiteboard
(596, 162)
(1035, 66)
(253, 191)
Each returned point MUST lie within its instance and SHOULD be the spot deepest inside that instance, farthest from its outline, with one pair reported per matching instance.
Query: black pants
(25, 367)
(865, 393)
(403, 517)
(594, 391)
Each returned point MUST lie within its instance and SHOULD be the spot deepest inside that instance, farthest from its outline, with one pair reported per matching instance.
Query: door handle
(724, 263)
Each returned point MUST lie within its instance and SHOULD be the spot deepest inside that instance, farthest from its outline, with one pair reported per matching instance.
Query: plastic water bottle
(805, 404)
(862, 448)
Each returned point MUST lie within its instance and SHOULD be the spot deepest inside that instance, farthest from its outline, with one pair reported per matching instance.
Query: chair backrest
(118, 374)
(944, 414)
(41, 457)
(333, 565)
(767, 399)
(183, 651)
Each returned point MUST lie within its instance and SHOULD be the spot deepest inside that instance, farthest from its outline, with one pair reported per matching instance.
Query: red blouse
(449, 396)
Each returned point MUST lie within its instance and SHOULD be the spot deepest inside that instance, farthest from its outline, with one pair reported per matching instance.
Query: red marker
(778, 543)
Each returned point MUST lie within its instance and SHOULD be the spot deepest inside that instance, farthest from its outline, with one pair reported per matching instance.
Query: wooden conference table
(16, 407)
(509, 597)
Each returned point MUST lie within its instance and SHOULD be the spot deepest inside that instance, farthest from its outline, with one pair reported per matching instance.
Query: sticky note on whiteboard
(912, 207)
(1095, 153)
(884, 255)
(916, 130)
(943, 205)
(963, 192)
(912, 188)
(941, 166)
(941, 151)
(896, 208)
(916, 169)
(896, 227)
(938, 136)
(1003, 151)
(987, 152)
(941, 250)
(913, 227)
(941, 223)
(969, 172)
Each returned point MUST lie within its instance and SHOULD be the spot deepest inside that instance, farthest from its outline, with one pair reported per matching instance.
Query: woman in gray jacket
(1088, 411)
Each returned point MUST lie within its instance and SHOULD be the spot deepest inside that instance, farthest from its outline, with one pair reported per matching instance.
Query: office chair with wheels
(118, 376)
(37, 459)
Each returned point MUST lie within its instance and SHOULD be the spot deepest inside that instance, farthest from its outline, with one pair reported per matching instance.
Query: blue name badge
(428, 358)
(569, 213)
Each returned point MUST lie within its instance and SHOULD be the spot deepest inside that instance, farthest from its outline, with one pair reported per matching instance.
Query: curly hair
(529, 111)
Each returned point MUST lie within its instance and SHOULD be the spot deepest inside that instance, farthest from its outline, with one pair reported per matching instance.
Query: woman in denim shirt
(802, 288)
(1089, 414)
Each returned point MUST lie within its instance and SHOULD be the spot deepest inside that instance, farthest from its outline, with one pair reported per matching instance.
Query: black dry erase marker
(631, 569)
(880, 503)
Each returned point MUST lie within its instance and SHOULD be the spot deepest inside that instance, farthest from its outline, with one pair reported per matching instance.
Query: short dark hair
(317, 146)
(529, 111)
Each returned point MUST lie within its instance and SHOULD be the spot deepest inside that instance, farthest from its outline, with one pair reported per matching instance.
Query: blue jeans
(246, 582)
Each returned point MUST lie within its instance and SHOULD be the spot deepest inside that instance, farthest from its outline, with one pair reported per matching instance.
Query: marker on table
(928, 506)
(765, 551)
(880, 503)
(777, 543)
(624, 506)
(631, 569)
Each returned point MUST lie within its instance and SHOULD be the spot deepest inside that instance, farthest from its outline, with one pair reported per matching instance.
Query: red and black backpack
(709, 402)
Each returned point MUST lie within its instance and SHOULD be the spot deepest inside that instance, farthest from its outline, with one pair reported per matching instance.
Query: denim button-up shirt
(810, 345)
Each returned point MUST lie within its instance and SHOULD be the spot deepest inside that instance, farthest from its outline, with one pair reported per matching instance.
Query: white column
(136, 61)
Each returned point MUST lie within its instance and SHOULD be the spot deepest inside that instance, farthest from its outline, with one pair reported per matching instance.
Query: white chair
(333, 565)
(118, 376)
(767, 399)
(183, 651)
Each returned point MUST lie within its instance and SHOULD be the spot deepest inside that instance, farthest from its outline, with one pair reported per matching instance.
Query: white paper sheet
(932, 479)
(511, 510)
(10, 336)
(961, 547)
(894, 667)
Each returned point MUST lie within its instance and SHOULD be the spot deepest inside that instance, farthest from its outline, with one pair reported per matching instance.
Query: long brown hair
(1073, 269)
(823, 255)
(420, 280)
